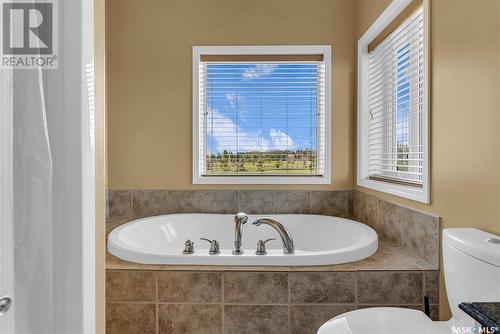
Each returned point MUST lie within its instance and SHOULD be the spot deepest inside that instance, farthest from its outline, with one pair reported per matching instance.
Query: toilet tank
(471, 267)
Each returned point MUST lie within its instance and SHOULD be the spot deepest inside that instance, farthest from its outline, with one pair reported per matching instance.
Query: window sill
(413, 193)
(261, 180)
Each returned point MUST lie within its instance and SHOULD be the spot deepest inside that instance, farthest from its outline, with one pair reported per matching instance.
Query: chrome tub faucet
(286, 238)
(239, 220)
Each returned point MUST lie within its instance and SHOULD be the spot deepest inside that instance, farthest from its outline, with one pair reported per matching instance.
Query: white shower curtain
(25, 204)
(47, 198)
(29, 199)
(6, 207)
(32, 204)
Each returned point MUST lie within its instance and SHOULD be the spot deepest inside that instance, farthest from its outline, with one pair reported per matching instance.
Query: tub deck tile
(387, 257)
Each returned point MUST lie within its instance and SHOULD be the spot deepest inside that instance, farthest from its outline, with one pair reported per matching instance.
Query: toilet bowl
(472, 274)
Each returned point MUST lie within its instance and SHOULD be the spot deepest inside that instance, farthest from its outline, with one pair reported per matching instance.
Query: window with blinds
(393, 110)
(261, 115)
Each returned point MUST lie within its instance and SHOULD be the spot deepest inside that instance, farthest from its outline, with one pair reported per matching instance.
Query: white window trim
(413, 193)
(281, 49)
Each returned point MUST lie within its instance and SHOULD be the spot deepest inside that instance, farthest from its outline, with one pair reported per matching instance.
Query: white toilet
(472, 274)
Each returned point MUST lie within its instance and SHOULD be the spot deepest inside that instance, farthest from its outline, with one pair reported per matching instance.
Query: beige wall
(149, 77)
(465, 112)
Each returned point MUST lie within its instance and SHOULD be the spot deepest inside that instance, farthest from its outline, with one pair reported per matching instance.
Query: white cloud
(224, 133)
(231, 98)
(225, 130)
(258, 71)
(280, 140)
(234, 99)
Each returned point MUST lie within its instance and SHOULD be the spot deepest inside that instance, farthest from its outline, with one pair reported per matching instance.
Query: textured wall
(149, 77)
(465, 115)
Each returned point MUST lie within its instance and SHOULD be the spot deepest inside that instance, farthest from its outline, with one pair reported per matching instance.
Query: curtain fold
(6, 200)
(32, 193)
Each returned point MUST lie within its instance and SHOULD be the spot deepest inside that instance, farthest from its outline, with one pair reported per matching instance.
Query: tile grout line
(203, 210)
(289, 304)
(308, 202)
(132, 202)
(422, 301)
(356, 290)
(261, 304)
(238, 200)
(285, 270)
(222, 302)
(274, 201)
(157, 303)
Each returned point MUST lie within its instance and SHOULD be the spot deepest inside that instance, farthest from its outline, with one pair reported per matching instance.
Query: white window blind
(395, 126)
(261, 115)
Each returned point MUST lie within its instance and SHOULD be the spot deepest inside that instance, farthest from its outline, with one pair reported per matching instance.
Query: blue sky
(261, 106)
(403, 94)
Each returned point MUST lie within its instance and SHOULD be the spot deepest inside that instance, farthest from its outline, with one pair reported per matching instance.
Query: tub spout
(239, 220)
(286, 238)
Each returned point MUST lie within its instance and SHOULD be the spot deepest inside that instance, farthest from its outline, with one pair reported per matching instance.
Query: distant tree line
(256, 161)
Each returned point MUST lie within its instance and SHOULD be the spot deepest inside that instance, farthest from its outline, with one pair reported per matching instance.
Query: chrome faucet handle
(261, 246)
(240, 219)
(188, 247)
(286, 238)
(214, 246)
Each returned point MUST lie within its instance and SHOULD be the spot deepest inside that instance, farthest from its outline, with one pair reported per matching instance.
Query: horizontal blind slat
(240, 100)
(395, 103)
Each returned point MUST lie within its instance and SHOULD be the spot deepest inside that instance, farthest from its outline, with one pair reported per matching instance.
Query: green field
(273, 162)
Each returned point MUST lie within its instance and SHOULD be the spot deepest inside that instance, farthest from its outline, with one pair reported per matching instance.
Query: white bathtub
(319, 240)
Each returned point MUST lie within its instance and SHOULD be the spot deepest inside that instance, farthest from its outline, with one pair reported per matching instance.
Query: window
(261, 114)
(393, 103)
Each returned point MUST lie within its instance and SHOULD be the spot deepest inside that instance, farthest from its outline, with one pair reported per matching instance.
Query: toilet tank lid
(479, 244)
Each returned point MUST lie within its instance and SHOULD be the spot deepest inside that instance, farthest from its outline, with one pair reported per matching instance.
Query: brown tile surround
(240, 299)
(252, 302)
(415, 232)
(124, 203)
(131, 318)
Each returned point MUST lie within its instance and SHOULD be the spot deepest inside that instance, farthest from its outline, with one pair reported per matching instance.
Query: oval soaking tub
(319, 240)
